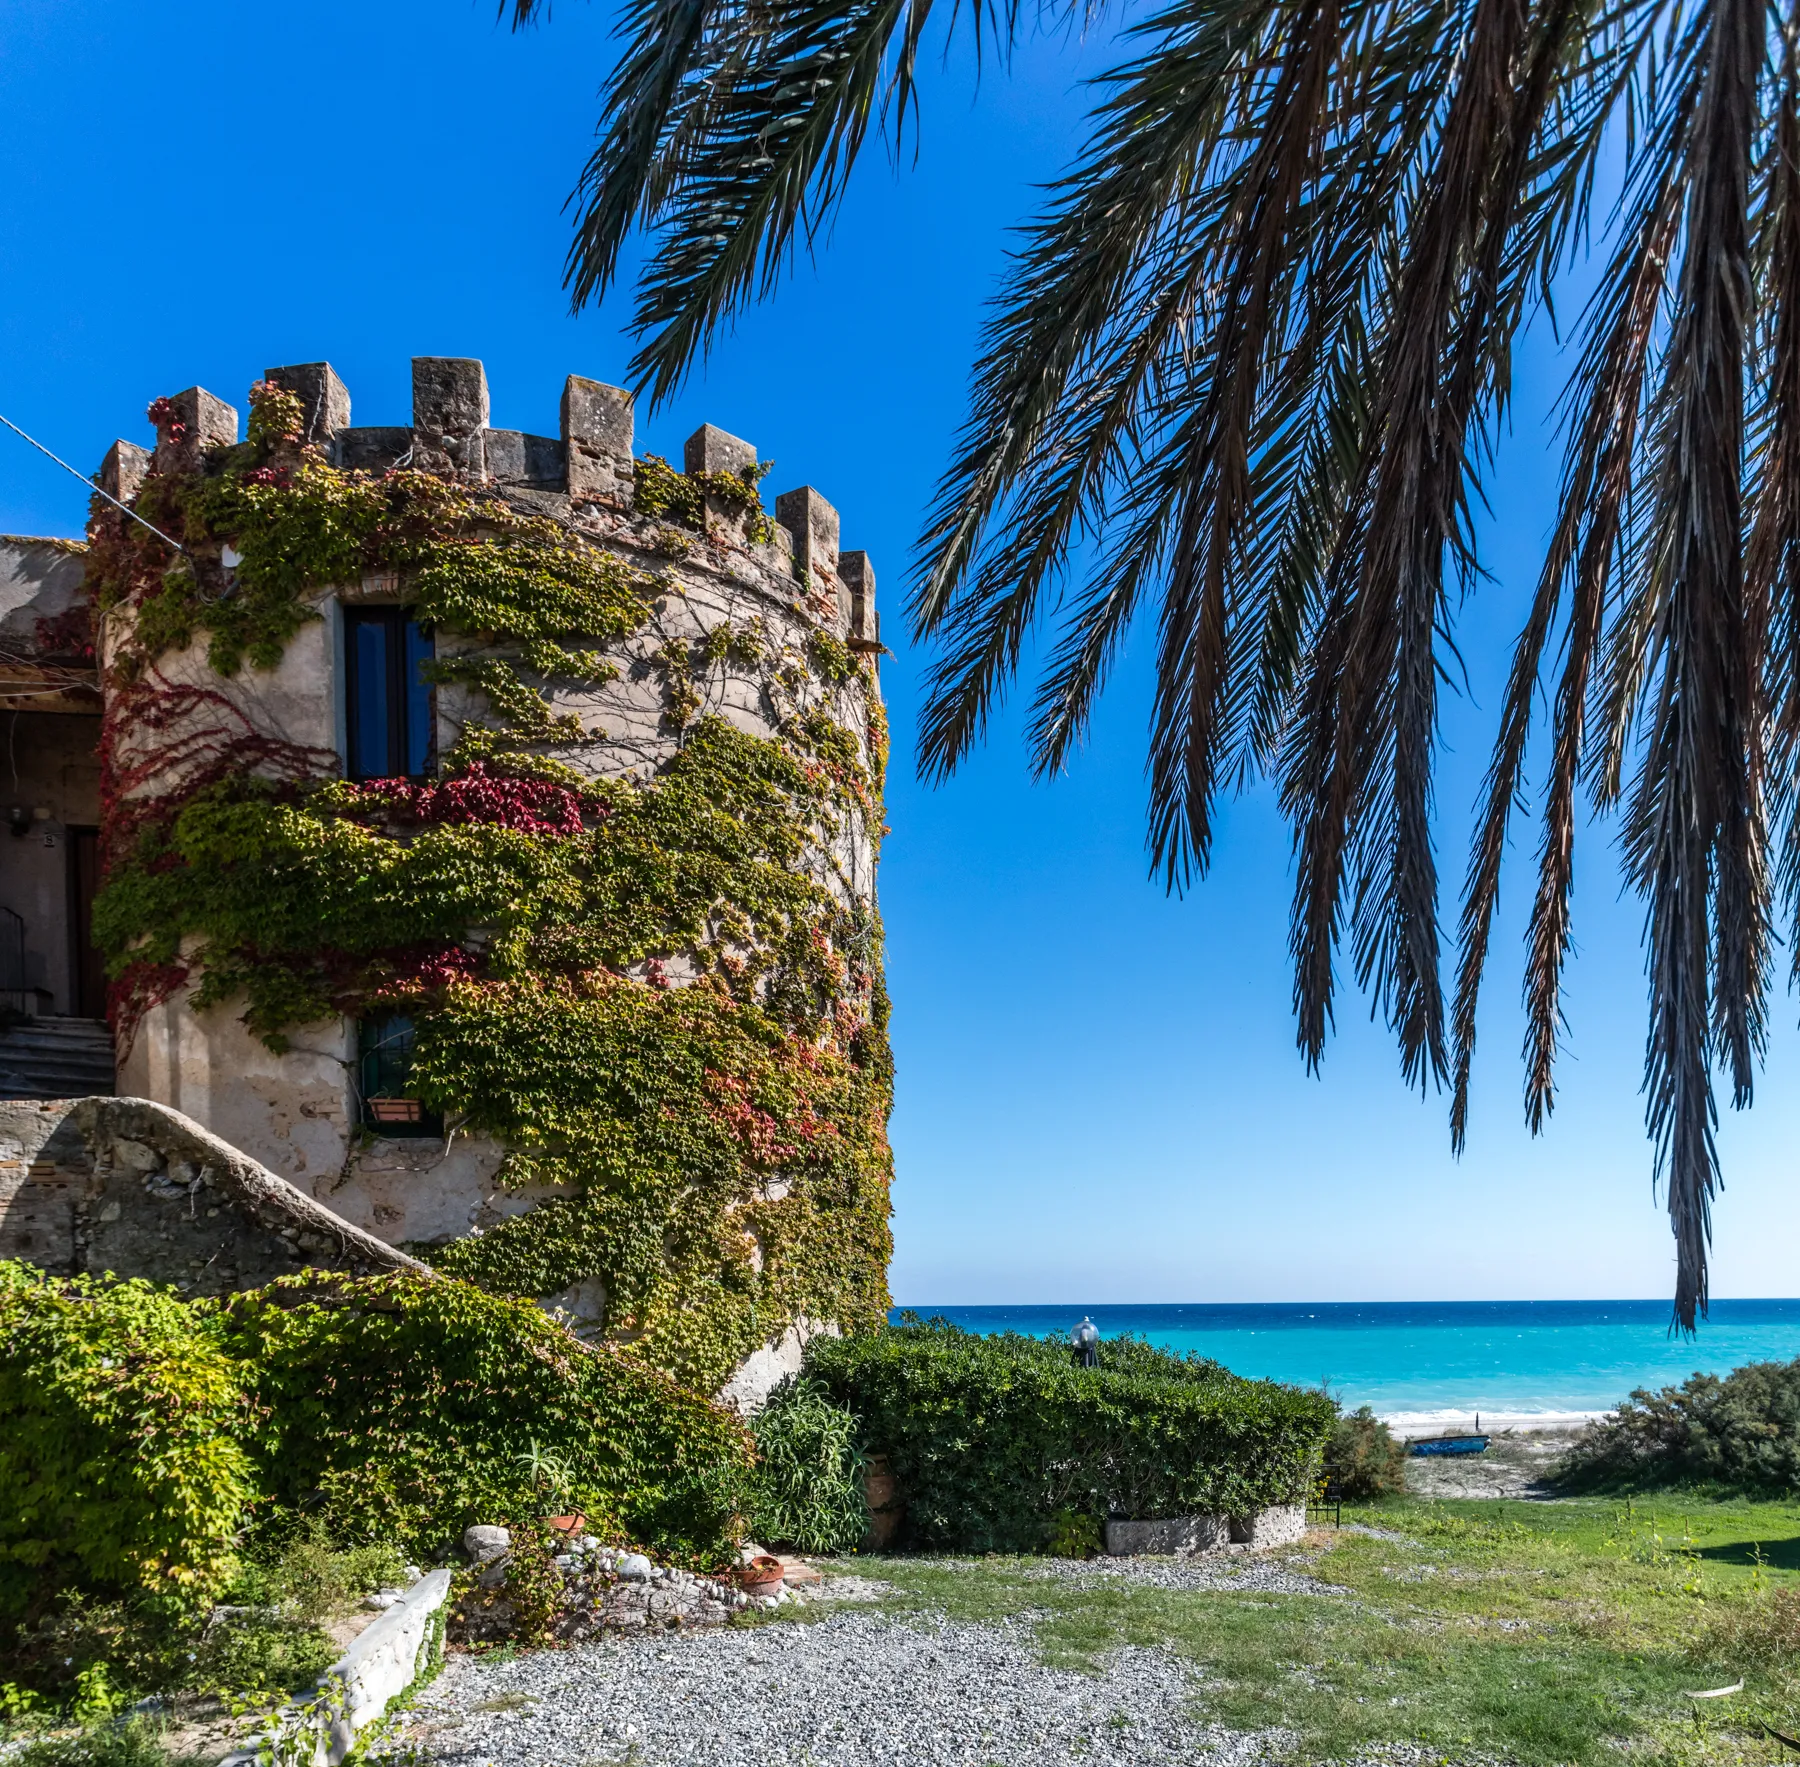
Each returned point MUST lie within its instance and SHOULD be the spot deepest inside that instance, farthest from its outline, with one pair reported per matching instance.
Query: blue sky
(1099, 1098)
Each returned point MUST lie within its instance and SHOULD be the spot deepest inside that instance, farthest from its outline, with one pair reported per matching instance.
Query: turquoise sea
(1412, 1359)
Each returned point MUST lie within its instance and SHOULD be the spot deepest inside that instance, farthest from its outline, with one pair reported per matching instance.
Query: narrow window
(388, 701)
(390, 1105)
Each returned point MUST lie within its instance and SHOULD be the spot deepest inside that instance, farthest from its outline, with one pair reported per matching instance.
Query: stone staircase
(57, 1058)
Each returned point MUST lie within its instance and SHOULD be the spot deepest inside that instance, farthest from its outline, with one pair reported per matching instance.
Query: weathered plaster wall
(39, 579)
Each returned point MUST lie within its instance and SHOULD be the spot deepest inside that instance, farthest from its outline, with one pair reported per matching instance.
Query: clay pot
(887, 1508)
(569, 1525)
(762, 1575)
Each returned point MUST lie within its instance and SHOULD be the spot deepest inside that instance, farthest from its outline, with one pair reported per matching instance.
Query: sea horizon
(1422, 1363)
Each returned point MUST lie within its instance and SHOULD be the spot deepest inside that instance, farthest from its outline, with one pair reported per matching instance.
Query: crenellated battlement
(591, 463)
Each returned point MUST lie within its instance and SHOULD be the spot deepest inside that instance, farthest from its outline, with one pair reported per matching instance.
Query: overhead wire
(92, 486)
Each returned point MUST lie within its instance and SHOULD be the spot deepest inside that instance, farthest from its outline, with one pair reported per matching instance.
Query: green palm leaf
(1244, 377)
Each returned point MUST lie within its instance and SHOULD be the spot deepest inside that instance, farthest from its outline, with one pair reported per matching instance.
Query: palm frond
(1691, 829)
(1245, 377)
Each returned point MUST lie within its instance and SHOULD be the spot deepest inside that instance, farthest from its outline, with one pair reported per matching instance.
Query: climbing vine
(659, 490)
(713, 1153)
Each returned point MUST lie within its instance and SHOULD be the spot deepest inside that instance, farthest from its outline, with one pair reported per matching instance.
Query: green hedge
(121, 1472)
(991, 1437)
(141, 1434)
(418, 1406)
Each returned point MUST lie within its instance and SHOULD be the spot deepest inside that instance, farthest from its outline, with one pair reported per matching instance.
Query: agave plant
(1245, 375)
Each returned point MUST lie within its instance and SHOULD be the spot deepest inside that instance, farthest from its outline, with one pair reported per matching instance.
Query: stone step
(60, 1030)
(57, 1058)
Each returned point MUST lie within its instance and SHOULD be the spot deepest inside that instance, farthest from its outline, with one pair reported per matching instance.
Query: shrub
(311, 1576)
(279, 1450)
(1362, 1458)
(259, 1655)
(134, 1744)
(402, 1406)
(270, 1638)
(1740, 1432)
(807, 1488)
(990, 1437)
(119, 1460)
(1074, 1535)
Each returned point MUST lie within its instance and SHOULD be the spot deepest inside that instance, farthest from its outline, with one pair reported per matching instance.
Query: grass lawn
(1527, 1631)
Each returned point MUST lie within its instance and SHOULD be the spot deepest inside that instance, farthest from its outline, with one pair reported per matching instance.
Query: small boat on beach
(1470, 1444)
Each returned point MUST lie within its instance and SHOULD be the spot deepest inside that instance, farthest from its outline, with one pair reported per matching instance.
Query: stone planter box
(1281, 1524)
(1179, 1536)
(1182, 1536)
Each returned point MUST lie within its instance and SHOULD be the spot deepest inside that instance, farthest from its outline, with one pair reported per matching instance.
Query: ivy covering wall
(717, 1149)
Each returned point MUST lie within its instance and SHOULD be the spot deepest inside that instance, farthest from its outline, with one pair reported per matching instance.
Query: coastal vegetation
(1738, 1432)
(325, 1430)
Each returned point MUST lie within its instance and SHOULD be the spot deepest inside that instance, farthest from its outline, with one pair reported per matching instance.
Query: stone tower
(488, 827)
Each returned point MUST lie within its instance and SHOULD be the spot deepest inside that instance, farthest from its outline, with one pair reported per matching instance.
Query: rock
(381, 1600)
(412, 1573)
(750, 1550)
(635, 1568)
(484, 1544)
(589, 1543)
(134, 1156)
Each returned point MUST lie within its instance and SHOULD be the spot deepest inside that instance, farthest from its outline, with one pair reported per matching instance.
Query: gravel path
(856, 1689)
(1230, 1571)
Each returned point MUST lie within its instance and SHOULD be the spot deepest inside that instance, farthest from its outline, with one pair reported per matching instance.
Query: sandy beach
(1440, 1423)
(1517, 1461)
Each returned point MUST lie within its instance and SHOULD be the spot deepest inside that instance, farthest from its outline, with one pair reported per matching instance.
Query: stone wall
(129, 1187)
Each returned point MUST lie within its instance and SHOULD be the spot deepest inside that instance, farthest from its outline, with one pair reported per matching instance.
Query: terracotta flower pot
(569, 1525)
(887, 1508)
(762, 1576)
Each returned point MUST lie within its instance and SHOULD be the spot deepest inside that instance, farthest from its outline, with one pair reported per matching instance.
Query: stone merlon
(590, 461)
